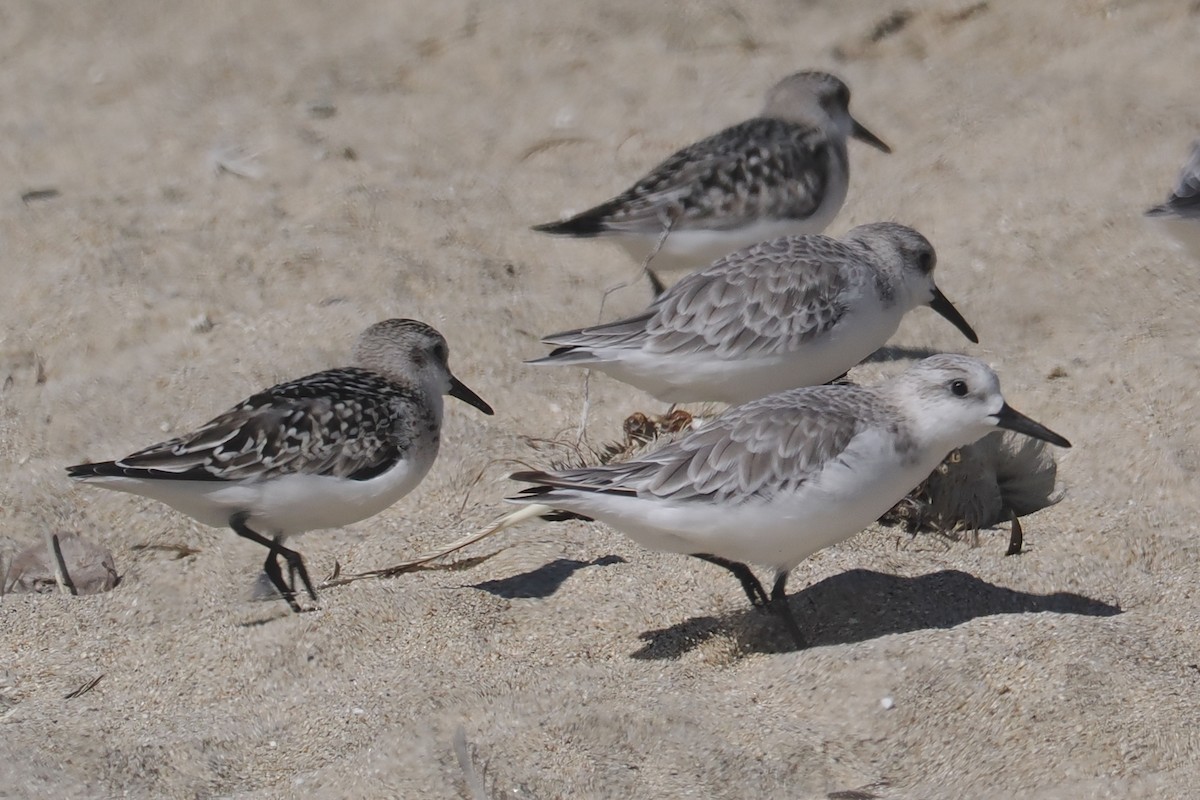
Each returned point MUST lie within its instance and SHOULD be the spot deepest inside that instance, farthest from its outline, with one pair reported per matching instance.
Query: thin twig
(34, 195)
(546, 144)
(179, 550)
(668, 222)
(503, 523)
(84, 689)
(466, 762)
(585, 409)
(656, 283)
(603, 455)
(60, 566)
(462, 507)
(235, 161)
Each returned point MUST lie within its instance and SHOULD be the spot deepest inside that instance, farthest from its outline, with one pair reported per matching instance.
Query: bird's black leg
(750, 584)
(779, 604)
(1016, 539)
(271, 566)
(656, 284)
(295, 567)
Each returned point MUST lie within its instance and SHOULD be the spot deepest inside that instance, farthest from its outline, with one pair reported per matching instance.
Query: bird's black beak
(941, 305)
(459, 390)
(864, 135)
(1014, 420)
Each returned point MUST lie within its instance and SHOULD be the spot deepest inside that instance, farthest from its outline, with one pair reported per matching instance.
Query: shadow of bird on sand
(543, 581)
(862, 604)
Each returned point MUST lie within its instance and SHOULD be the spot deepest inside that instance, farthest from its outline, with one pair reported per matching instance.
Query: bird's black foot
(295, 568)
(750, 585)
(656, 283)
(271, 568)
(1016, 539)
(779, 604)
(275, 549)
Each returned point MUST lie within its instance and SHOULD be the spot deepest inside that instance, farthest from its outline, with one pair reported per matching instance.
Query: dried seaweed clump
(639, 433)
(981, 485)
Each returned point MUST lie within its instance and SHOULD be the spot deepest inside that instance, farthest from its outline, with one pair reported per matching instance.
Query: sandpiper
(322, 451)
(796, 311)
(782, 173)
(775, 480)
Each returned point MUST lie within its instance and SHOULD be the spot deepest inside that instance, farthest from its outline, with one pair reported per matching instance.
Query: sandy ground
(394, 155)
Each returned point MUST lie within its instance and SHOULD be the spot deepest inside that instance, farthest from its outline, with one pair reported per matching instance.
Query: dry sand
(395, 154)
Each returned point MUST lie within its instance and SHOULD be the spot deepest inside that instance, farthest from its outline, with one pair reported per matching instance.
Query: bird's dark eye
(442, 353)
(925, 262)
(959, 388)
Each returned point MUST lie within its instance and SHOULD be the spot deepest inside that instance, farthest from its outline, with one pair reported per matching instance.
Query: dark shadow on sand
(543, 581)
(862, 604)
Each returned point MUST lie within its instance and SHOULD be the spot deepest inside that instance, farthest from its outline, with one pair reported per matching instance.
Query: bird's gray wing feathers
(338, 423)
(761, 169)
(621, 333)
(752, 451)
(772, 297)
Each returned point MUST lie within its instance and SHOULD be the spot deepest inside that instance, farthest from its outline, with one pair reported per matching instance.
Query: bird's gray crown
(937, 375)
(799, 96)
(896, 244)
(396, 348)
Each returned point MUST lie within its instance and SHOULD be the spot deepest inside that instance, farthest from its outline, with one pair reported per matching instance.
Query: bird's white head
(907, 260)
(412, 353)
(954, 400)
(817, 98)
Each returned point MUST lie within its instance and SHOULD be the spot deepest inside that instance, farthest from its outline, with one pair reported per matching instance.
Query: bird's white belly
(780, 532)
(694, 249)
(701, 377)
(307, 502)
(286, 505)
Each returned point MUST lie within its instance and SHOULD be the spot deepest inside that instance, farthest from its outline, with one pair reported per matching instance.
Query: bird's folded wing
(761, 169)
(336, 423)
(773, 297)
(769, 446)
